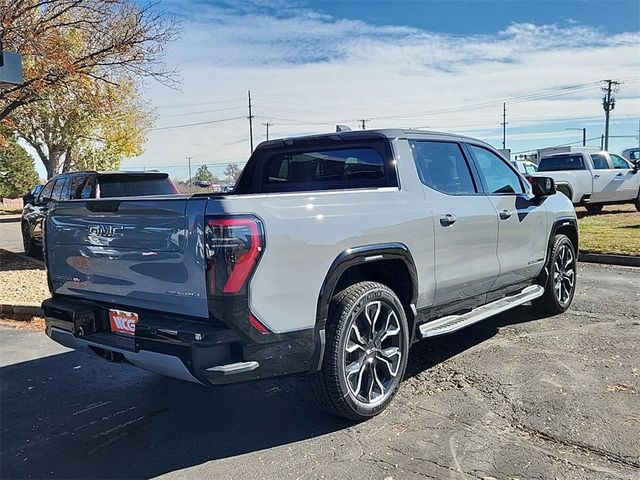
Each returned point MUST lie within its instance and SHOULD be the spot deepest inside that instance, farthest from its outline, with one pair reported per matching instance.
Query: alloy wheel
(564, 274)
(373, 353)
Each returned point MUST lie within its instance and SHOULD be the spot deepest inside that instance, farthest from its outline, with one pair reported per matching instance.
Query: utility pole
(250, 117)
(608, 104)
(267, 124)
(189, 160)
(363, 123)
(584, 137)
(504, 126)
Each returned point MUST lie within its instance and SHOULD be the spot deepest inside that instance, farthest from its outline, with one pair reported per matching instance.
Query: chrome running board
(452, 323)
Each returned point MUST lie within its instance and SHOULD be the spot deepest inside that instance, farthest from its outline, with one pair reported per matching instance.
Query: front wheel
(366, 352)
(637, 202)
(561, 282)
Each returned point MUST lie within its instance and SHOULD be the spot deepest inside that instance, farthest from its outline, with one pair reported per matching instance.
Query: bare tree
(66, 41)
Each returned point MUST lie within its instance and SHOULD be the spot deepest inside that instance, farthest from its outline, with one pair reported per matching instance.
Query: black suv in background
(82, 186)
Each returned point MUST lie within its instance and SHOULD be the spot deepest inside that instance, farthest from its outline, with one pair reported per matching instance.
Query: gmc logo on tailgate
(110, 231)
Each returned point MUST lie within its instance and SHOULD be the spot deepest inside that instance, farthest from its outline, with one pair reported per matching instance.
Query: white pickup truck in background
(593, 179)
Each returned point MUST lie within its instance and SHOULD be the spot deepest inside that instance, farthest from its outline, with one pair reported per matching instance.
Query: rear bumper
(178, 347)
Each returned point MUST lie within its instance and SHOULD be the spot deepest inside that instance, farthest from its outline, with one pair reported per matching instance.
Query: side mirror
(542, 186)
(636, 165)
(28, 198)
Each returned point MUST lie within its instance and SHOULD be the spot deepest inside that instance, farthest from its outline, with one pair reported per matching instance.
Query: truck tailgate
(143, 253)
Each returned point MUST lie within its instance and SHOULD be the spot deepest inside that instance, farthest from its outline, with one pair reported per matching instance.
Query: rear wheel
(561, 282)
(637, 202)
(594, 208)
(30, 248)
(366, 352)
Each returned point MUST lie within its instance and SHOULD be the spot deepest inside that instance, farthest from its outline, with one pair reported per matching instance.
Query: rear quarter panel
(305, 232)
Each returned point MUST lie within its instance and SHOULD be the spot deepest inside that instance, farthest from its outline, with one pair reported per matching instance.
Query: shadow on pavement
(72, 415)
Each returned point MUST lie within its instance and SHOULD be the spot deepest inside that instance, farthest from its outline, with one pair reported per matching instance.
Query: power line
(202, 111)
(197, 123)
(554, 146)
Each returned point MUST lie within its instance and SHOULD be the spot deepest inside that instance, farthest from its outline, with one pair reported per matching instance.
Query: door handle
(447, 220)
(619, 175)
(505, 214)
(596, 176)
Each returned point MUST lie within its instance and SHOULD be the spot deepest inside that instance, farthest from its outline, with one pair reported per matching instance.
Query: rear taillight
(233, 246)
(173, 187)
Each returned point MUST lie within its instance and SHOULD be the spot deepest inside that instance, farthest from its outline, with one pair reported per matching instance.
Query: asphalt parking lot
(514, 397)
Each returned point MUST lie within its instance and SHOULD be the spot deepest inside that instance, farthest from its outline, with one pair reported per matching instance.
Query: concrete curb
(626, 261)
(21, 309)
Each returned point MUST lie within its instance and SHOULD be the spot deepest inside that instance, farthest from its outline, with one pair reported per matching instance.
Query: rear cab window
(318, 165)
(133, 185)
(561, 162)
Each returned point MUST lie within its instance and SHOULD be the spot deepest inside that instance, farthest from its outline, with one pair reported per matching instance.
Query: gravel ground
(21, 280)
(516, 396)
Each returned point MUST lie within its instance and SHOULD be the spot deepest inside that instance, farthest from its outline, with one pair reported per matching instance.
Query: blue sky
(442, 65)
(458, 17)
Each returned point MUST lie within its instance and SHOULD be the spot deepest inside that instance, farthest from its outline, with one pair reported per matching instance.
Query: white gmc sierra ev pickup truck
(594, 179)
(333, 254)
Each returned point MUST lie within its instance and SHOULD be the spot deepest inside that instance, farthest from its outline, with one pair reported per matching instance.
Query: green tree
(232, 172)
(203, 174)
(17, 170)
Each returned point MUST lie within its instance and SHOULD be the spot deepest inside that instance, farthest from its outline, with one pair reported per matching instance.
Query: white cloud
(319, 71)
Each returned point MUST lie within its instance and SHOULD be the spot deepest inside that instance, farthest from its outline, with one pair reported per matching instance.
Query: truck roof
(391, 133)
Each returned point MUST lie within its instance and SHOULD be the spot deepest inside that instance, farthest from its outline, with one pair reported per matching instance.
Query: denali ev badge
(111, 231)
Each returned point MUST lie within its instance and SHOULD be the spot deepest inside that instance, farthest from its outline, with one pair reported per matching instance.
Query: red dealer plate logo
(123, 322)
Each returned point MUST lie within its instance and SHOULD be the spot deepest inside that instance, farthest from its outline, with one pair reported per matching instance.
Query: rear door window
(134, 185)
(561, 162)
(324, 170)
(599, 161)
(442, 166)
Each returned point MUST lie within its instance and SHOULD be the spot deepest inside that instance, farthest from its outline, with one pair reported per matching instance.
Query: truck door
(522, 221)
(465, 222)
(627, 178)
(605, 180)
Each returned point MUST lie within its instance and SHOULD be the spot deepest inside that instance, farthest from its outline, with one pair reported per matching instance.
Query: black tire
(566, 191)
(562, 266)
(371, 354)
(637, 202)
(594, 208)
(30, 248)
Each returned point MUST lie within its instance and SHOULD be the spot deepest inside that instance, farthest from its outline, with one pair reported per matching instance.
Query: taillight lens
(233, 246)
